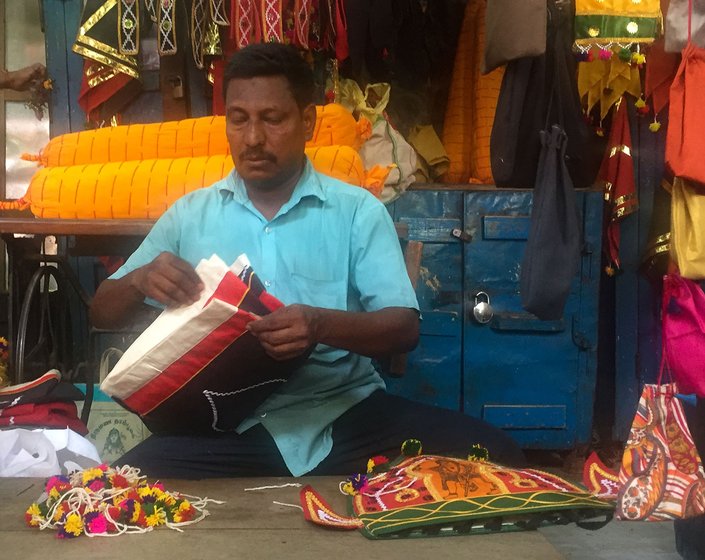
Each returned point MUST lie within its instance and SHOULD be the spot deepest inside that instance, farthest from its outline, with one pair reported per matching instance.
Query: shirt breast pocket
(329, 293)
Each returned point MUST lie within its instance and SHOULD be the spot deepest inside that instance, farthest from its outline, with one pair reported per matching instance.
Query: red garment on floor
(43, 415)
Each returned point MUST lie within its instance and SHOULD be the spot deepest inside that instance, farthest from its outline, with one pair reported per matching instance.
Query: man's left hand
(287, 332)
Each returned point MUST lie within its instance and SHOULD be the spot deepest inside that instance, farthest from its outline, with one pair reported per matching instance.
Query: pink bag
(684, 332)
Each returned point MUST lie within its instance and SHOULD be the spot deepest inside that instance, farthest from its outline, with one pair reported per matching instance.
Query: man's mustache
(255, 155)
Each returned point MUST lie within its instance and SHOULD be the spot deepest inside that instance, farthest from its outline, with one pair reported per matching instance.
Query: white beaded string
(294, 484)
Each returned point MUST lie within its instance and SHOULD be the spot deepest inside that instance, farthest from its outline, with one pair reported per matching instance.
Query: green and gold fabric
(606, 22)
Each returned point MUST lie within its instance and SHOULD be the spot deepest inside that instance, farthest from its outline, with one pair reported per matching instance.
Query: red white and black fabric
(198, 369)
(29, 391)
(44, 389)
(105, 92)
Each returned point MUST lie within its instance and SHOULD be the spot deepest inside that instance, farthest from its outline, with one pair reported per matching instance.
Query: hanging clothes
(523, 108)
(371, 28)
(110, 78)
(660, 71)
(472, 103)
(617, 178)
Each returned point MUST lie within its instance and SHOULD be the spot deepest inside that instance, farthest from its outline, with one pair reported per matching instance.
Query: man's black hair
(273, 59)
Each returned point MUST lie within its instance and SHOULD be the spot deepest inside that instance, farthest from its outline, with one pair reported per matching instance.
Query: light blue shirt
(331, 245)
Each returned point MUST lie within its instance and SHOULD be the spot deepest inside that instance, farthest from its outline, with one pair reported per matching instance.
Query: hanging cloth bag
(552, 252)
(661, 476)
(683, 316)
(553, 249)
(688, 229)
(685, 142)
(386, 147)
(197, 368)
(513, 30)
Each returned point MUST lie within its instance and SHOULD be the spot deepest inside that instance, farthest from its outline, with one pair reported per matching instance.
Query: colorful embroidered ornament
(430, 495)
(105, 502)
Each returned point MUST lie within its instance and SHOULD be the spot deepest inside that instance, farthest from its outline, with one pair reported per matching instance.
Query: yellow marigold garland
(104, 501)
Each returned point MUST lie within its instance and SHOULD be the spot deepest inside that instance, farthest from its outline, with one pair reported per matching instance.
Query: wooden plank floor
(249, 526)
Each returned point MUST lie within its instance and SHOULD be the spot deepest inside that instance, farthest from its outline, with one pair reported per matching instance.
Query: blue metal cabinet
(434, 369)
(533, 378)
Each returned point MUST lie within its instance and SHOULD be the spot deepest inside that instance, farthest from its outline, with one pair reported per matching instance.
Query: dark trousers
(376, 426)
(690, 533)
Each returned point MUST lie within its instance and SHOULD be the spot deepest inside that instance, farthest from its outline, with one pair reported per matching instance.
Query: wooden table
(249, 526)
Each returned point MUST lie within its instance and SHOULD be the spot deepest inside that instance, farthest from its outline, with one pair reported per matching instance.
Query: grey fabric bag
(513, 30)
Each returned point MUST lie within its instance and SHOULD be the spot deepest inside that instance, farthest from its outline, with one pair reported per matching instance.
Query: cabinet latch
(463, 235)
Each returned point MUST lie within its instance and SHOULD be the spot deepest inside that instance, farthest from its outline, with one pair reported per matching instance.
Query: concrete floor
(254, 525)
(619, 540)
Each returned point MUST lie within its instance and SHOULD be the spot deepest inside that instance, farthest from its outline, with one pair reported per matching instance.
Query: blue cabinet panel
(534, 417)
(521, 373)
(433, 374)
(533, 378)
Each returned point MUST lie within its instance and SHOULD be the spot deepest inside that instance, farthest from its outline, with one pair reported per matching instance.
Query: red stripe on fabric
(231, 290)
(188, 366)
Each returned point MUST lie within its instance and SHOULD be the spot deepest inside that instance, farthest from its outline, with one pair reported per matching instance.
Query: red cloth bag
(685, 142)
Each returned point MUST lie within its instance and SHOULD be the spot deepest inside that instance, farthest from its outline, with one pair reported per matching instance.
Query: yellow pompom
(638, 58)
(654, 126)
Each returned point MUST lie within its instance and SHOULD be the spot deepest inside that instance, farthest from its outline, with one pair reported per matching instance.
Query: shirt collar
(309, 184)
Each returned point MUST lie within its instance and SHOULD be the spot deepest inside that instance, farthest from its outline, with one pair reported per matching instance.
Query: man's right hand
(169, 280)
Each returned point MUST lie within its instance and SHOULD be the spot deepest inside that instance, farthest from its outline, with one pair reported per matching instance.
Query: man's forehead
(269, 88)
